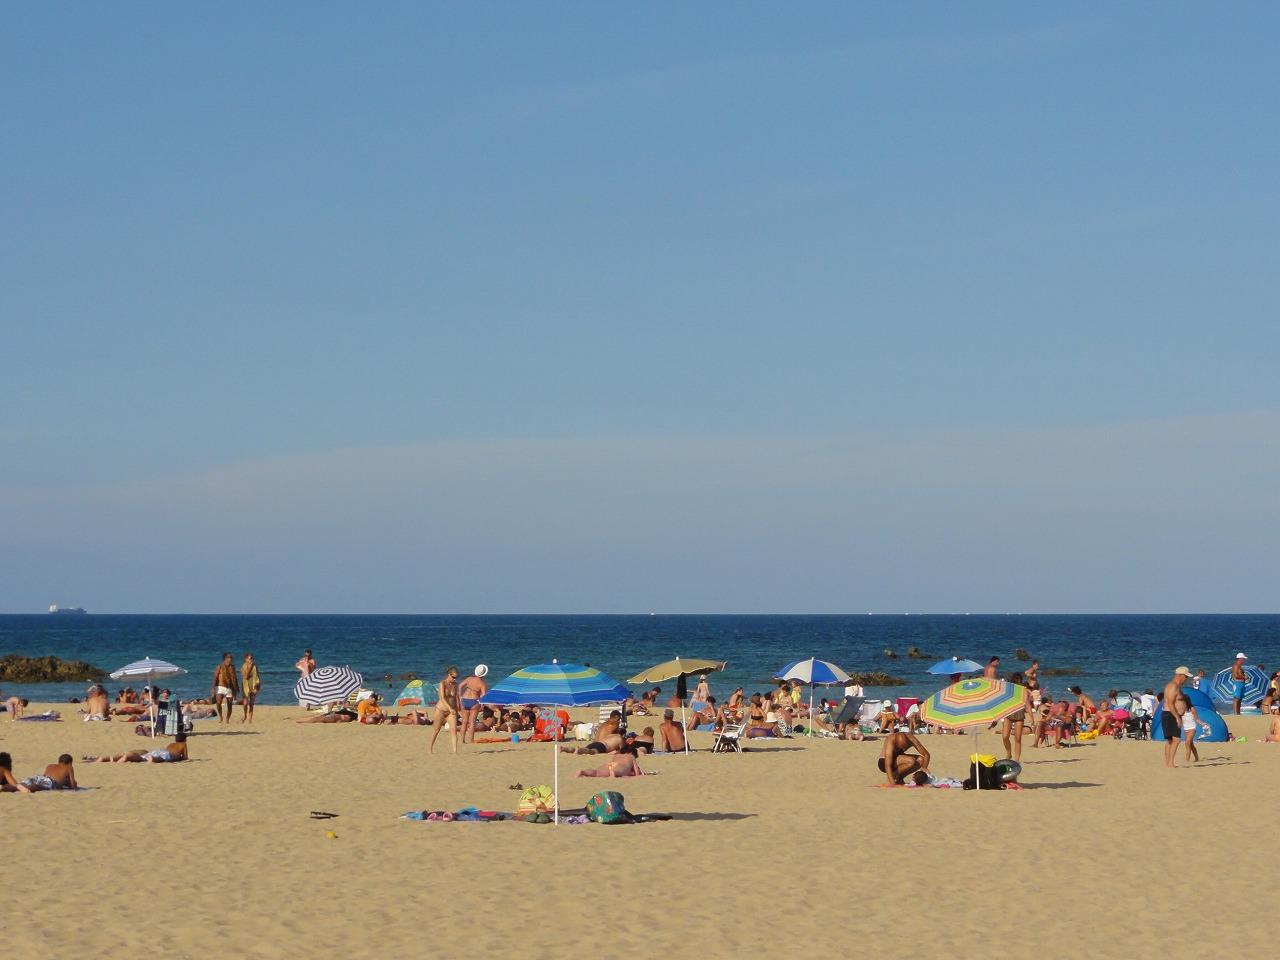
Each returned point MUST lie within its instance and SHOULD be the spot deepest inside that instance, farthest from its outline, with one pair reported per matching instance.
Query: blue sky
(709, 307)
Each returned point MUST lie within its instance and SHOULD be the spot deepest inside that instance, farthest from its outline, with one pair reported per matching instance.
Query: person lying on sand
(608, 744)
(896, 761)
(341, 715)
(175, 752)
(7, 783)
(414, 718)
(624, 765)
(56, 776)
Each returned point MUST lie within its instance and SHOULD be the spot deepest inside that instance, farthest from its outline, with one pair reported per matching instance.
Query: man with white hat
(470, 691)
(1171, 710)
(1239, 679)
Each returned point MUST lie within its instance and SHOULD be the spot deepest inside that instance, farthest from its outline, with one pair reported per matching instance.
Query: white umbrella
(149, 670)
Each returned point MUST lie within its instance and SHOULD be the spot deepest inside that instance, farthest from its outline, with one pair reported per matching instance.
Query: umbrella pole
(811, 710)
(977, 780)
(684, 722)
(555, 778)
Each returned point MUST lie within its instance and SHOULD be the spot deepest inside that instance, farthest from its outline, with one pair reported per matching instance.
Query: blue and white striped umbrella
(327, 685)
(954, 665)
(812, 671)
(1255, 686)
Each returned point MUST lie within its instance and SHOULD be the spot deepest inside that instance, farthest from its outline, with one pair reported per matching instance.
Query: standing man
(1239, 679)
(469, 693)
(306, 666)
(225, 686)
(1198, 681)
(1171, 715)
(252, 685)
(992, 669)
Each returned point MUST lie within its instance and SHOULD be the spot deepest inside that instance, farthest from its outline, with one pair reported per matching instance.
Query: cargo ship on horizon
(54, 608)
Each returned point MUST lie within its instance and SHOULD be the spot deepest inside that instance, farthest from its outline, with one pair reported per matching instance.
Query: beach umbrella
(673, 669)
(148, 670)
(327, 685)
(954, 665)
(556, 685)
(812, 672)
(1255, 685)
(973, 703)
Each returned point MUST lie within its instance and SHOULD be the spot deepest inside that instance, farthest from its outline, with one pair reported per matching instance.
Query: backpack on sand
(607, 806)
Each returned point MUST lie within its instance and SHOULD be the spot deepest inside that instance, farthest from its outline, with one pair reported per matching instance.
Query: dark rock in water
(18, 669)
(890, 654)
(1060, 671)
(1021, 654)
(915, 653)
(876, 678)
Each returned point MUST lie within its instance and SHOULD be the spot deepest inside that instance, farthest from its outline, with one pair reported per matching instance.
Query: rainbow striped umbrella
(976, 702)
(558, 685)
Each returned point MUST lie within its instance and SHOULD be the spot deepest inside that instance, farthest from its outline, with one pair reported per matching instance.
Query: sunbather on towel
(341, 715)
(7, 783)
(56, 776)
(623, 765)
(175, 752)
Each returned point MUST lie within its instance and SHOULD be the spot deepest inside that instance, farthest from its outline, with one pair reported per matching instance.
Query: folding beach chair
(729, 739)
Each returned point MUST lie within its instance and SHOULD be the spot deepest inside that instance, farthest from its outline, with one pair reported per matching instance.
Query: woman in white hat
(469, 693)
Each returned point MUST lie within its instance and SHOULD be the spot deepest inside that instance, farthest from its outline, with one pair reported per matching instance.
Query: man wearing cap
(470, 691)
(1171, 714)
(1239, 679)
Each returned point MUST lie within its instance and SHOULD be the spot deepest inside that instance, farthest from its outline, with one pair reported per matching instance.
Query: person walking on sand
(225, 687)
(305, 666)
(1171, 715)
(446, 708)
(470, 691)
(1239, 679)
(251, 688)
(1013, 727)
(702, 692)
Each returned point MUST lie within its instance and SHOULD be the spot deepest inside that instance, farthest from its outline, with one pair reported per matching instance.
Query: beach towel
(47, 715)
(539, 799)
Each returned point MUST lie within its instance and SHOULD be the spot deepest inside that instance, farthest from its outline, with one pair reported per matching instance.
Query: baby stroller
(1137, 725)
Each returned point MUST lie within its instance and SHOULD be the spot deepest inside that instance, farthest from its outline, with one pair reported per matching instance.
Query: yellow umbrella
(672, 669)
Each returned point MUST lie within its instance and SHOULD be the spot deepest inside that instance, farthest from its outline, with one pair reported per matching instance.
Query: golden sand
(789, 848)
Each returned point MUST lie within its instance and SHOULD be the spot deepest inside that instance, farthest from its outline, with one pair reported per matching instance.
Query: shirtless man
(897, 763)
(992, 670)
(175, 752)
(469, 693)
(447, 708)
(56, 776)
(1239, 680)
(225, 686)
(611, 727)
(1087, 707)
(1171, 715)
(670, 735)
(15, 705)
(96, 706)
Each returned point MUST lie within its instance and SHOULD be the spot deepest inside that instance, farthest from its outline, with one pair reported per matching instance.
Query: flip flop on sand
(322, 815)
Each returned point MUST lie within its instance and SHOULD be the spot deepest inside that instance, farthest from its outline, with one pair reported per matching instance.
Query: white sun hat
(481, 670)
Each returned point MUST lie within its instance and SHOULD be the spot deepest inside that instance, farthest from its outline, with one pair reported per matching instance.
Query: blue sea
(1114, 651)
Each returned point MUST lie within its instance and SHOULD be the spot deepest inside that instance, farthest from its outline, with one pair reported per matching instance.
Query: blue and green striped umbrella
(556, 684)
(559, 685)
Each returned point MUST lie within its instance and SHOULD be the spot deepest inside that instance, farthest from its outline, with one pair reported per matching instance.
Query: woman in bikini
(447, 708)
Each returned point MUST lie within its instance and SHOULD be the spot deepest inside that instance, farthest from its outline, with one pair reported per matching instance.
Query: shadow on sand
(711, 816)
(1064, 785)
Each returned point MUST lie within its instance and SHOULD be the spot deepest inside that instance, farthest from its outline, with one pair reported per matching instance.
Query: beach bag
(607, 806)
(584, 732)
(538, 799)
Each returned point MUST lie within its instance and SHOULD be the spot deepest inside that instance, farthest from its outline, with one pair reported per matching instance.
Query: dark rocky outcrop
(1021, 654)
(915, 653)
(892, 655)
(1060, 671)
(19, 669)
(876, 678)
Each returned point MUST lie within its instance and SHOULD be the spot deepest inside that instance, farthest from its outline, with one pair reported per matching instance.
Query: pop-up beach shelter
(414, 694)
(556, 685)
(813, 672)
(149, 671)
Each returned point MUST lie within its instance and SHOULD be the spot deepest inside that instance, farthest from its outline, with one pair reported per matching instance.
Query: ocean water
(1120, 651)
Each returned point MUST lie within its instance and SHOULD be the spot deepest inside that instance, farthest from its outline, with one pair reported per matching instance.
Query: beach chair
(729, 739)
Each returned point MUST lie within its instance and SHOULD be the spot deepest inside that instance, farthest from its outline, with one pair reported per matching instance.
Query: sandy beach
(791, 842)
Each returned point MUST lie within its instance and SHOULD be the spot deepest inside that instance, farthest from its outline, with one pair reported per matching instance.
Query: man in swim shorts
(56, 776)
(897, 762)
(1171, 714)
(1239, 680)
(470, 691)
(225, 686)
